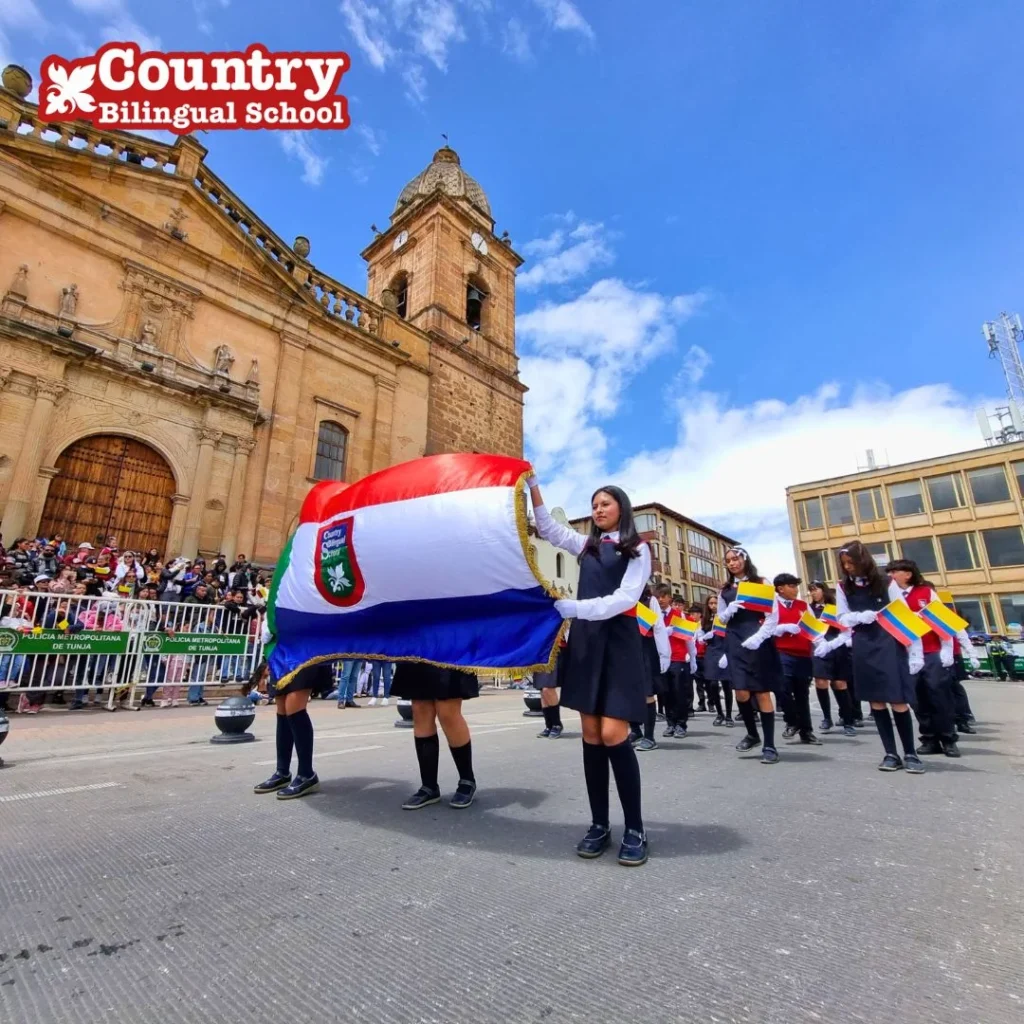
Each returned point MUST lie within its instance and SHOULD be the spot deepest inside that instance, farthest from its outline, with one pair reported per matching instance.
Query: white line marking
(330, 753)
(11, 797)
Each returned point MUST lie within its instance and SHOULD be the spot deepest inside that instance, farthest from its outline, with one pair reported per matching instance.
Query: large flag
(425, 561)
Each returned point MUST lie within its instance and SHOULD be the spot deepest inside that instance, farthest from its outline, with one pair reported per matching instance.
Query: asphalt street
(142, 880)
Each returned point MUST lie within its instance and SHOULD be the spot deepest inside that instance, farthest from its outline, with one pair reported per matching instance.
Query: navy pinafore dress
(880, 666)
(757, 671)
(714, 648)
(835, 664)
(605, 668)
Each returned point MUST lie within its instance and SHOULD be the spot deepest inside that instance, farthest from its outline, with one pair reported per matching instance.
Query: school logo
(8, 640)
(335, 569)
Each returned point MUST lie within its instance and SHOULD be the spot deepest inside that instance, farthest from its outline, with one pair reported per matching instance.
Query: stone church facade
(174, 374)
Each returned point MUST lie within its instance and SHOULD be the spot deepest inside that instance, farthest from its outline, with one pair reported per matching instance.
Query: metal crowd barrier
(58, 643)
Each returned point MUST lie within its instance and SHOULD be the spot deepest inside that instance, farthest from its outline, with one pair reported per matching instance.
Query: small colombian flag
(900, 622)
(756, 597)
(812, 628)
(830, 617)
(944, 621)
(683, 627)
(718, 627)
(946, 596)
(645, 618)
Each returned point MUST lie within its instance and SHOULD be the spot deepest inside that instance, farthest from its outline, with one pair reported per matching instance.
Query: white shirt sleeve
(660, 630)
(638, 572)
(559, 535)
(724, 613)
(843, 613)
(895, 591)
(771, 620)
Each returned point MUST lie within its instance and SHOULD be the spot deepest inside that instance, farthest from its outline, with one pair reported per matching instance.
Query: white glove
(787, 627)
(916, 662)
(693, 664)
(265, 634)
(822, 647)
(752, 643)
(864, 618)
(975, 663)
(566, 608)
(723, 662)
(532, 481)
(664, 661)
(726, 613)
(946, 656)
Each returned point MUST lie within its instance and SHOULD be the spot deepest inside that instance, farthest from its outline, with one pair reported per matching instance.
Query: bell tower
(440, 266)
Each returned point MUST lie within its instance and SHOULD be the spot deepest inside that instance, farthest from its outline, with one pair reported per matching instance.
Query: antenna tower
(1004, 337)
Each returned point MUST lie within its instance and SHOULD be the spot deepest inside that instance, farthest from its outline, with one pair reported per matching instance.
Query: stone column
(383, 418)
(233, 513)
(26, 469)
(200, 486)
(277, 479)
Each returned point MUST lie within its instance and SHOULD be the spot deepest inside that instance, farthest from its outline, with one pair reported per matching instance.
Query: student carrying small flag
(716, 674)
(657, 659)
(795, 656)
(753, 664)
(603, 674)
(682, 665)
(882, 666)
(831, 663)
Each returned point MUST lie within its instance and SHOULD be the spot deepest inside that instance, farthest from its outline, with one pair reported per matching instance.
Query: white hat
(41, 576)
(85, 544)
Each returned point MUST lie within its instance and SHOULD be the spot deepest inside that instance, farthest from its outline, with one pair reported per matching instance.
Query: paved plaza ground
(142, 881)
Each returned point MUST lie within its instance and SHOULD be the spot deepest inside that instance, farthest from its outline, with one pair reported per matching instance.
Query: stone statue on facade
(254, 373)
(147, 337)
(19, 286)
(69, 300)
(223, 359)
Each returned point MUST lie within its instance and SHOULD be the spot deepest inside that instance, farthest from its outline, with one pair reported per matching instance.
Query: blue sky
(761, 236)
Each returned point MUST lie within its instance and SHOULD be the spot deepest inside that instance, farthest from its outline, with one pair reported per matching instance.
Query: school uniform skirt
(757, 671)
(835, 665)
(652, 664)
(415, 680)
(712, 656)
(551, 680)
(606, 671)
(317, 678)
(880, 667)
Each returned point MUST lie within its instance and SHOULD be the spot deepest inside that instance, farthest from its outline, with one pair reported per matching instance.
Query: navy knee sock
(652, 718)
(885, 733)
(622, 758)
(427, 752)
(285, 745)
(302, 731)
(905, 727)
(768, 725)
(596, 773)
(463, 758)
(824, 701)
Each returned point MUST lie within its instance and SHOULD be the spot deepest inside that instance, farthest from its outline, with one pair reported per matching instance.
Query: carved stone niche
(156, 312)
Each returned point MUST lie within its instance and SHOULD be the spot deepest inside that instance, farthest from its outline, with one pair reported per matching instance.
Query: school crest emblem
(335, 569)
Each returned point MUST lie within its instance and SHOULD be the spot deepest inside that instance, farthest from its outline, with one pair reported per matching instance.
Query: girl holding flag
(604, 673)
(882, 666)
(831, 662)
(753, 664)
(716, 675)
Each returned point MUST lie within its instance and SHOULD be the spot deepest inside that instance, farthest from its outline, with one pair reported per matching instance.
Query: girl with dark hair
(604, 672)
(831, 663)
(753, 664)
(933, 685)
(882, 666)
(716, 675)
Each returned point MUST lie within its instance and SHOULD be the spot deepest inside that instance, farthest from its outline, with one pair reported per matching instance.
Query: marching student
(936, 717)
(548, 684)
(681, 669)
(605, 656)
(831, 664)
(716, 675)
(963, 650)
(437, 695)
(657, 661)
(694, 615)
(794, 654)
(883, 667)
(295, 731)
(753, 664)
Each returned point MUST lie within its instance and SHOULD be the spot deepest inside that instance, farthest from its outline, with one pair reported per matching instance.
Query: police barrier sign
(57, 641)
(192, 643)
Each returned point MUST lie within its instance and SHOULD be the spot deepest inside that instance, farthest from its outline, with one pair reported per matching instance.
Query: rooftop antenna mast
(1004, 337)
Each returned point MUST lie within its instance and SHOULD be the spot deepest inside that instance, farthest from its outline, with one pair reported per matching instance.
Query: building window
(559, 565)
(679, 535)
(881, 553)
(475, 299)
(959, 551)
(922, 551)
(700, 542)
(1012, 607)
(808, 514)
(869, 505)
(816, 563)
(701, 567)
(988, 485)
(945, 492)
(400, 286)
(978, 613)
(1004, 547)
(1018, 472)
(655, 552)
(839, 509)
(906, 499)
(331, 442)
(646, 523)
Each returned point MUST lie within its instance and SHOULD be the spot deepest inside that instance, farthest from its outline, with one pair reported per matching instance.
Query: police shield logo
(336, 571)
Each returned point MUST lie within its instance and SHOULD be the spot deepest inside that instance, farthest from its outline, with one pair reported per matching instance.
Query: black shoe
(967, 729)
(748, 743)
(729, 723)
(951, 749)
(972, 720)
(299, 787)
(633, 849)
(848, 730)
(147, 702)
(352, 704)
(659, 717)
(202, 703)
(930, 747)
(544, 733)
(556, 731)
(789, 732)
(890, 763)
(826, 725)
(769, 756)
(276, 781)
(593, 844)
(719, 720)
(670, 731)
(702, 707)
(858, 723)
(76, 705)
(913, 764)
(463, 795)
(422, 798)
(809, 739)
(193, 703)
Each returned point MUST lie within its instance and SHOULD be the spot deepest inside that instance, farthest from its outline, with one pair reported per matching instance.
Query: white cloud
(695, 364)
(19, 17)
(201, 8)
(564, 15)
(370, 138)
(415, 83)
(436, 26)
(566, 254)
(297, 145)
(367, 25)
(117, 23)
(516, 40)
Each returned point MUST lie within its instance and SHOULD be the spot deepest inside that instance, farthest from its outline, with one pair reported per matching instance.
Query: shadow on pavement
(376, 803)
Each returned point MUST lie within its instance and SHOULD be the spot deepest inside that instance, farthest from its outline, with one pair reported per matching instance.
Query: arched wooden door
(110, 485)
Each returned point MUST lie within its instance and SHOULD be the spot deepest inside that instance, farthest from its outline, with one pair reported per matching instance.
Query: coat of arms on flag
(336, 571)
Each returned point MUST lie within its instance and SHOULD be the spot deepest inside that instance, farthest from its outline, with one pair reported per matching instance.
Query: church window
(475, 299)
(400, 286)
(331, 443)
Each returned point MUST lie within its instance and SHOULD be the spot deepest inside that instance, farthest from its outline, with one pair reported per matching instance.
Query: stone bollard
(233, 716)
(404, 720)
(531, 698)
(5, 728)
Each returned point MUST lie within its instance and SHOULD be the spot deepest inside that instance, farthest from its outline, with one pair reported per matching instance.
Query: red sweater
(795, 644)
(680, 648)
(917, 598)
